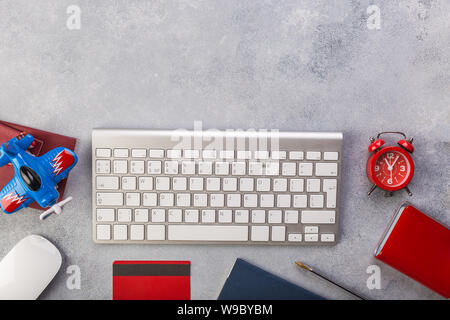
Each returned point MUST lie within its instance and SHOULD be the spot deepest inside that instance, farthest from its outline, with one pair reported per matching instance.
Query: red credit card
(151, 280)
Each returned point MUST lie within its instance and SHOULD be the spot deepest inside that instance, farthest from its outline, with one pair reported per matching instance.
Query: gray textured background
(288, 65)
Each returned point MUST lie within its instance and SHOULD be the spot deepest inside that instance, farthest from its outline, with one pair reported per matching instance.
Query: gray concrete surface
(288, 65)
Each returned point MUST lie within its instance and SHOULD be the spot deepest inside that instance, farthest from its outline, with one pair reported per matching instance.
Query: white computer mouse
(28, 268)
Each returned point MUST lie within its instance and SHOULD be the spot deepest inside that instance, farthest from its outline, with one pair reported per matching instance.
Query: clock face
(392, 169)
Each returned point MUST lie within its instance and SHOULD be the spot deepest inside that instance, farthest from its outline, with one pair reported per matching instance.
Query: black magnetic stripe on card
(151, 270)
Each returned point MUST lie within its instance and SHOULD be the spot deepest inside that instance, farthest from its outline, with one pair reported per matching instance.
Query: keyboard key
(137, 167)
(156, 153)
(129, 183)
(105, 215)
(103, 167)
(171, 167)
(145, 183)
(156, 232)
(311, 229)
(260, 233)
(188, 167)
(191, 154)
(154, 167)
(205, 168)
(255, 168)
(279, 155)
(209, 154)
(120, 166)
(174, 154)
(295, 237)
(166, 199)
(141, 215)
(217, 200)
(208, 216)
(138, 153)
(162, 183)
(109, 199)
(244, 155)
(183, 200)
(120, 232)
(272, 169)
(196, 184)
(313, 155)
(280, 185)
(103, 153)
(318, 217)
(291, 216)
(121, 153)
(296, 155)
(267, 200)
(330, 156)
(288, 169)
(103, 232)
(158, 215)
(246, 184)
(278, 233)
(327, 237)
(283, 200)
(207, 233)
(222, 168)
(229, 184)
(175, 215)
(305, 169)
(233, 200)
(263, 184)
(311, 237)
(179, 184)
(150, 199)
(107, 183)
(133, 199)
(200, 200)
(226, 154)
(250, 200)
(316, 201)
(296, 185)
(300, 201)
(225, 216)
(212, 184)
(330, 187)
(326, 169)
(190, 215)
(258, 216)
(313, 185)
(274, 216)
(137, 232)
(261, 155)
(241, 216)
(238, 168)
(124, 215)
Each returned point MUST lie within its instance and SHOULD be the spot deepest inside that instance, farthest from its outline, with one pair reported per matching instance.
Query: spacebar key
(208, 233)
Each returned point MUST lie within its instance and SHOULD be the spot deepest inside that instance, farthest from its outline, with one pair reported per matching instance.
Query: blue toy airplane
(35, 178)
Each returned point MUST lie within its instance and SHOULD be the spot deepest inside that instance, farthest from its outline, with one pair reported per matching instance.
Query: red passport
(418, 246)
(45, 141)
(151, 280)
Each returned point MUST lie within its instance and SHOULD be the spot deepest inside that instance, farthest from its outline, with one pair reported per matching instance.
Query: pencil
(304, 266)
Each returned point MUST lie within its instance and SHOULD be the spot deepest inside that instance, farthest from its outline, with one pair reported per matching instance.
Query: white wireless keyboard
(157, 186)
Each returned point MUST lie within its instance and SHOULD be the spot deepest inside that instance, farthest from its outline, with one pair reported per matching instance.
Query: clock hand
(392, 165)
(389, 165)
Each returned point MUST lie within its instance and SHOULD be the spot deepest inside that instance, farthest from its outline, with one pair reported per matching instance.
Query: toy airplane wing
(58, 162)
(13, 197)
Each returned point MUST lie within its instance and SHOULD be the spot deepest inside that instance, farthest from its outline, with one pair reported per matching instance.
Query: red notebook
(419, 247)
(45, 141)
(151, 280)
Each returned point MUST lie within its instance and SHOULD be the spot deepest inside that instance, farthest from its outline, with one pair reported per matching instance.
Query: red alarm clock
(390, 168)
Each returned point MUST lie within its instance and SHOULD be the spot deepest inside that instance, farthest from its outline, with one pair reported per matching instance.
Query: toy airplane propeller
(35, 178)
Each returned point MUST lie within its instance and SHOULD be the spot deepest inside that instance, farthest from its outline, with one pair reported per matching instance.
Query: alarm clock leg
(408, 191)
(372, 189)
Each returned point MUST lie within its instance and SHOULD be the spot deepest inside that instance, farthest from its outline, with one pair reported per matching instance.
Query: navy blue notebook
(248, 282)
